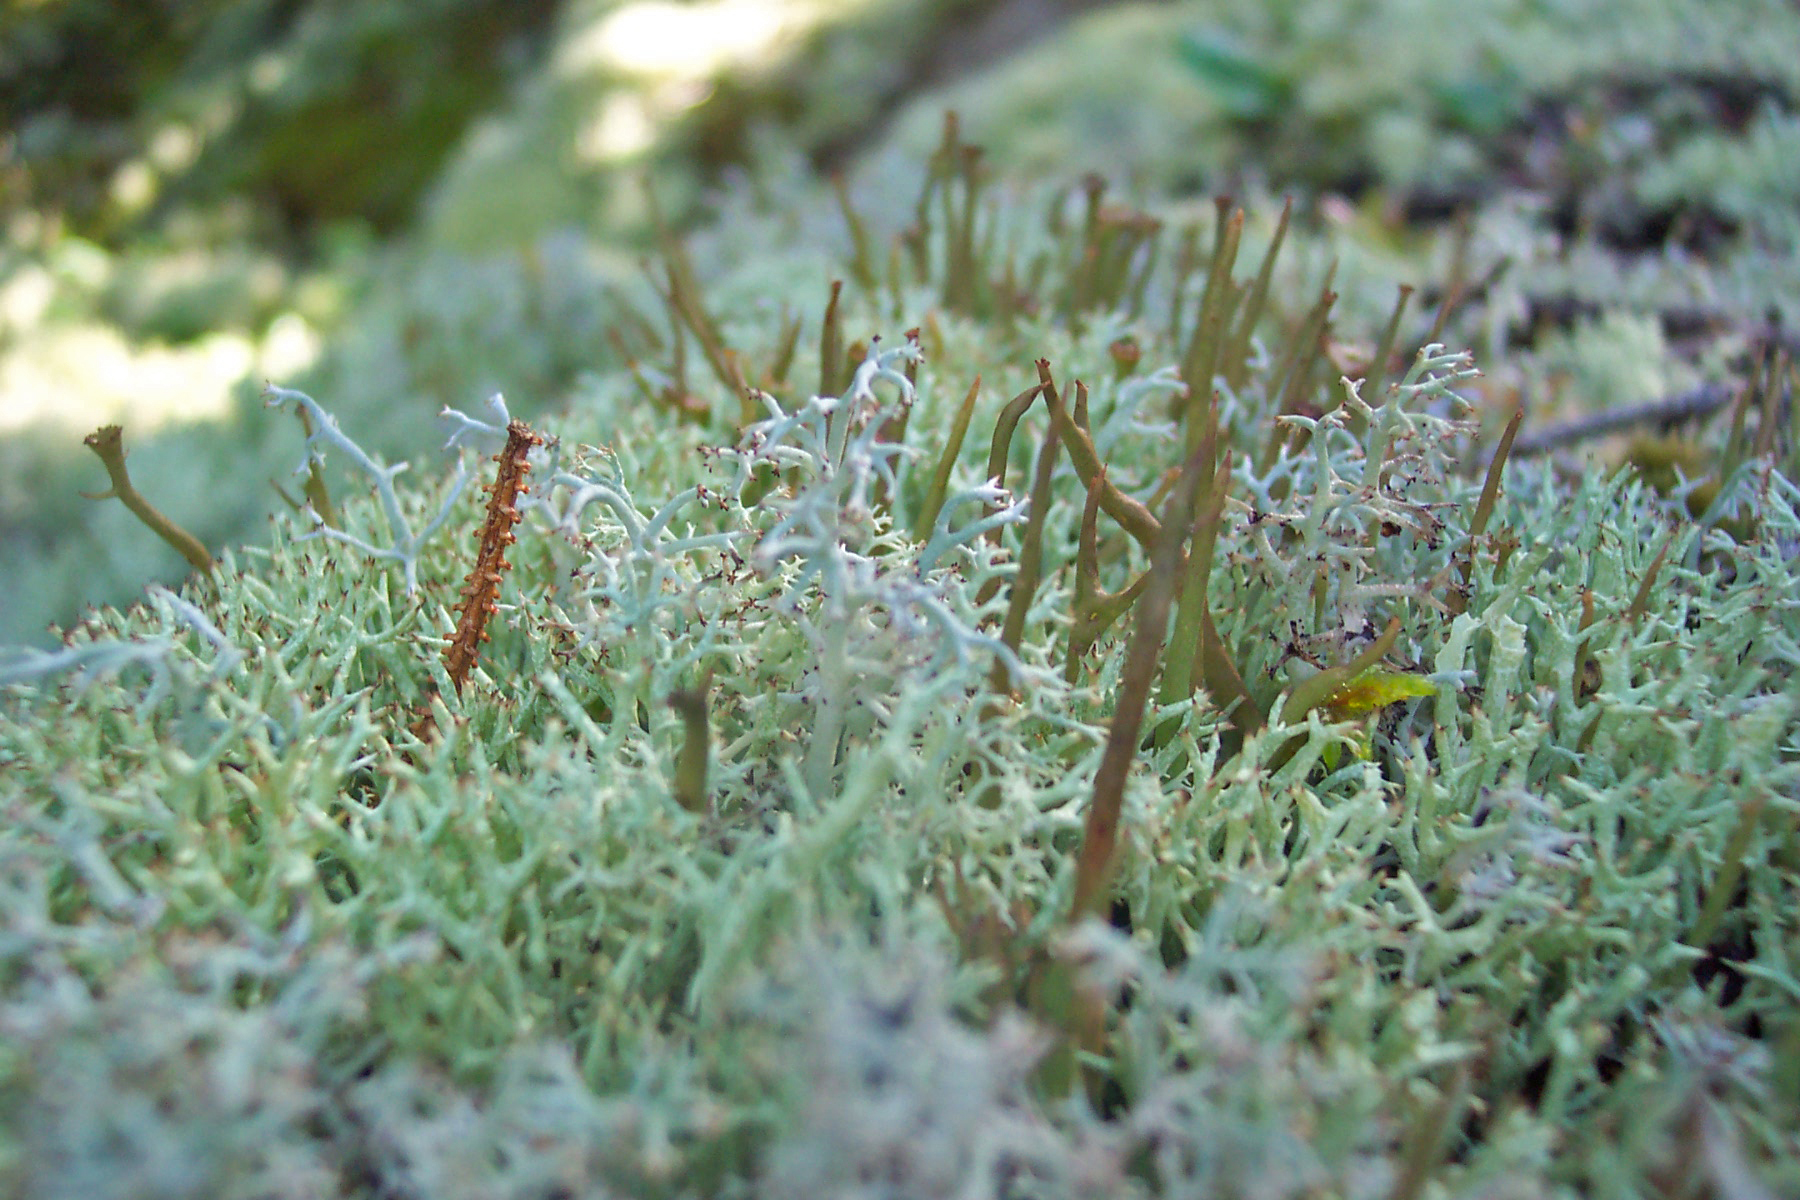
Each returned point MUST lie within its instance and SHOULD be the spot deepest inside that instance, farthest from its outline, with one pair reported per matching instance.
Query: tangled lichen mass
(1056, 707)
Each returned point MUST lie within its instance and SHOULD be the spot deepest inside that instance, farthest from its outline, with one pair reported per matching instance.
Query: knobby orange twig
(482, 586)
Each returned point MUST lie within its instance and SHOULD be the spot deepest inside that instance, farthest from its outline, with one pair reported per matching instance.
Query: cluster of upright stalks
(1174, 648)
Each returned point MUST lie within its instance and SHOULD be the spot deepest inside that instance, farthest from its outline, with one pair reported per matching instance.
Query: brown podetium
(482, 586)
(109, 443)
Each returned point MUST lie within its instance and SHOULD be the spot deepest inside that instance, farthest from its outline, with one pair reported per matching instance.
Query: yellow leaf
(1373, 689)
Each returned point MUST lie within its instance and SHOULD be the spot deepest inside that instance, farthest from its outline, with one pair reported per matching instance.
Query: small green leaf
(1373, 689)
(1242, 83)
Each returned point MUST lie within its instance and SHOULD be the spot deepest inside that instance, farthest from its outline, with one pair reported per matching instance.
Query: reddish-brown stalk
(482, 586)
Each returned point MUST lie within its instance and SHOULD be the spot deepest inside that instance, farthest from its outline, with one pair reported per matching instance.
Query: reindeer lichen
(1344, 818)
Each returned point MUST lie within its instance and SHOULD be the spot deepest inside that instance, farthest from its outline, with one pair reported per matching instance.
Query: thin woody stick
(1703, 401)
(482, 586)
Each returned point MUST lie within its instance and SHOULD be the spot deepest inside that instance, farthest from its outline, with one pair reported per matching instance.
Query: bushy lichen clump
(1455, 830)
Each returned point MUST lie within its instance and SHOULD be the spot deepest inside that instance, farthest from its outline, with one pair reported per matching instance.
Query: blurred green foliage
(417, 183)
(313, 111)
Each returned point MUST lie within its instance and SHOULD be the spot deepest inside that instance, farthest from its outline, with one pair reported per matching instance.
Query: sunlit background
(201, 267)
(198, 198)
(401, 205)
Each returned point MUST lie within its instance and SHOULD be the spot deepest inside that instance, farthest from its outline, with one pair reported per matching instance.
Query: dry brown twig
(482, 587)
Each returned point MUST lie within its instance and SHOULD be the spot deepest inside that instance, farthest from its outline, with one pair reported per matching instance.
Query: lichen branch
(109, 443)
